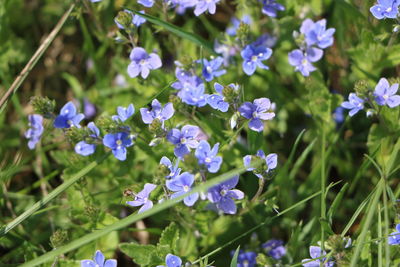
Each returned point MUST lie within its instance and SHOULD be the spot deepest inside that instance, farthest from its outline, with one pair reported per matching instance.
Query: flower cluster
(200, 6)
(99, 261)
(385, 9)
(34, 133)
(316, 253)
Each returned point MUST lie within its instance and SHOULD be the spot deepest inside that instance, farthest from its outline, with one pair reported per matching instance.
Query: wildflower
(185, 79)
(118, 142)
(218, 101)
(135, 19)
(181, 185)
(355, 104)
(257, 111)
(194, 95)
(208, 157)
(85, 149)
(68, 117)
(274, 248)
(302, 61)
(317, 34)
(246, 19)
(246, 259)
(271, 7)
(271, 161)
(142, 63)
(95, 1)
(222, 195)
(211, 68)
(183, 139)
(146, 3)
(138, 20)
(316, 252)
(386, 94)
(124, 113)
(394, 238)
(253, 57)
(89, 109)
(385, 9)
(172, 261)
(35, 131)
(204, 5)
(338, 115)
(157, 112)
(174, 170)
(142, 198)
(99, 261)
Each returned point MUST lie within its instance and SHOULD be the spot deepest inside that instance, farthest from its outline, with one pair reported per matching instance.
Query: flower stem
(261, 183)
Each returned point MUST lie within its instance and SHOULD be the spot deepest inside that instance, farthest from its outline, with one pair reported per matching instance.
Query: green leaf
(336, 202)
(140, 254)
(170, 237)
(235, 257)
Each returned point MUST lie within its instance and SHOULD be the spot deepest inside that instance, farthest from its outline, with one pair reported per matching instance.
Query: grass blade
(235, 257)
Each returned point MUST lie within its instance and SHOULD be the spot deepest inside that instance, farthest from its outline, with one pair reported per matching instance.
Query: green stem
(261, 183)
(386, 218)
(323, 185)
(379, 236)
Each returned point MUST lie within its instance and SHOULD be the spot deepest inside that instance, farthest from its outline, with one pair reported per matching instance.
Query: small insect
(128, 193)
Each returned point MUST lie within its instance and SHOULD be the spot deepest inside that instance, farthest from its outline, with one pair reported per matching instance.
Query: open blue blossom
(95, 1)
(217, 101)
(355, 104)
(136, 19)
(271, 161)
(183, 139)
(174, 170)
(274, 248)
(34, 133)
(316, 252)
(124, 113)
(246, 19)
(172, 261)
(302, 61)
(146, 3)
(194, 95)
(68, 117)
(142, 63)
(223, 195)
(118, 143)
(386, 94)
(246, 259)
(99, 261)
(89, 109)
(271, 8)
(256, 112)
(253, 56)
(85, 149)
(385, 9)
(317, 34)
(185, 79)
(181, 185)
(211, 69)
(338, 115)
(157, 112)
(208, 157)
(142, 198)
(204, 5)
(394, 238)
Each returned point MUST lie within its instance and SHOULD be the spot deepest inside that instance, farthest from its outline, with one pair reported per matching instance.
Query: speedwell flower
(253, 57)
(183, 139)
(208, 157)
(385, 94)
(142, 63)
(118, 143)
(181, 185)
(222, 195)
(35, 131)
(99, 261)
(142, 198)
(257, 111)
(68, 117)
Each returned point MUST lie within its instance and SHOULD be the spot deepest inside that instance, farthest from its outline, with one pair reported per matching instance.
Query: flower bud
(58, 238)
(43, 106)
(124, 19)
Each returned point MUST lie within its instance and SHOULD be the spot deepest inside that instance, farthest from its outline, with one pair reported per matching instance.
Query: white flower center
(208, 160)
(70, 122)
(386, 97)
(223, 192)
(209, 69)
(254, 58)
(304, 62)
(186, 188)
(389, 9)
(183, 140)
(119, 142)
(142, 62)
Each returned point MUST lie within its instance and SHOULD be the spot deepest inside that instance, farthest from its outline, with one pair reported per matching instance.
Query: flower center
(142, 62)
(254, 58)
(386, 97)
(186, 188)
(223, 192)
(209, 69)
(183, 140)
(208, 160)
(304, 62)
(255, 114)
(70, 122)
(119, 142)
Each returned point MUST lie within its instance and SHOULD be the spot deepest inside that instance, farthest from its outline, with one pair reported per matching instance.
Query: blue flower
(204, 5)
(99, 261)
(338, 115)
(217, 101)
(211, 68)
(136, 19)
(34, 133)
(253, 57)
(222, 195)
(316, 252)
(124, 113)
(355, 104)
(95, 1)
(317, 34)
(142, 63)
(386, 94)
(185, 79)
(142, 198)
(146, 3)
(194, 95)
(246, 259)
(302, 61)
(385, 9)
(157, 112)
(172, 261)
(271, 160)
(246, 19)
(274, 248)
(85, 149)
(208, 157)
(394, 238)
(259, 110)
(68, 117)
(89, 109)
(271, 7)
(118, 143)
(174, 170)
(181, 185)
(183, 139)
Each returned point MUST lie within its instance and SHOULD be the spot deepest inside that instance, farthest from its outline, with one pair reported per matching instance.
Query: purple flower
(338, 115)
(274, 248)
(124, 113)
(394, 238)
(386, 94)
(385, 9)
(142, 198)
(211, 68)
(99, 261)
(246, 259)
(95, 1)
(68, 117)
(208, 157)
(217, 101)
(89, 109)
(204, 5)
(222, 195)
(35, 131)
(142, 63)
(257, 111)
(174, 170)
(317, 34)
(172, 261)
(183, 139)
(194, 95)
(185, 79)
(118, 142)
(253, 57)
(271, 7)
(146, 3)
(316, 252)
(355, 104)
(302, 61)
(227, 51)
(271, 160)
(246, 19)
(157, 112)
(181, 185)
(85, 149)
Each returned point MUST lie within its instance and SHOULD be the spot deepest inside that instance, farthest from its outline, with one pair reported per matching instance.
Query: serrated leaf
(140, 254)
(170, 236)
